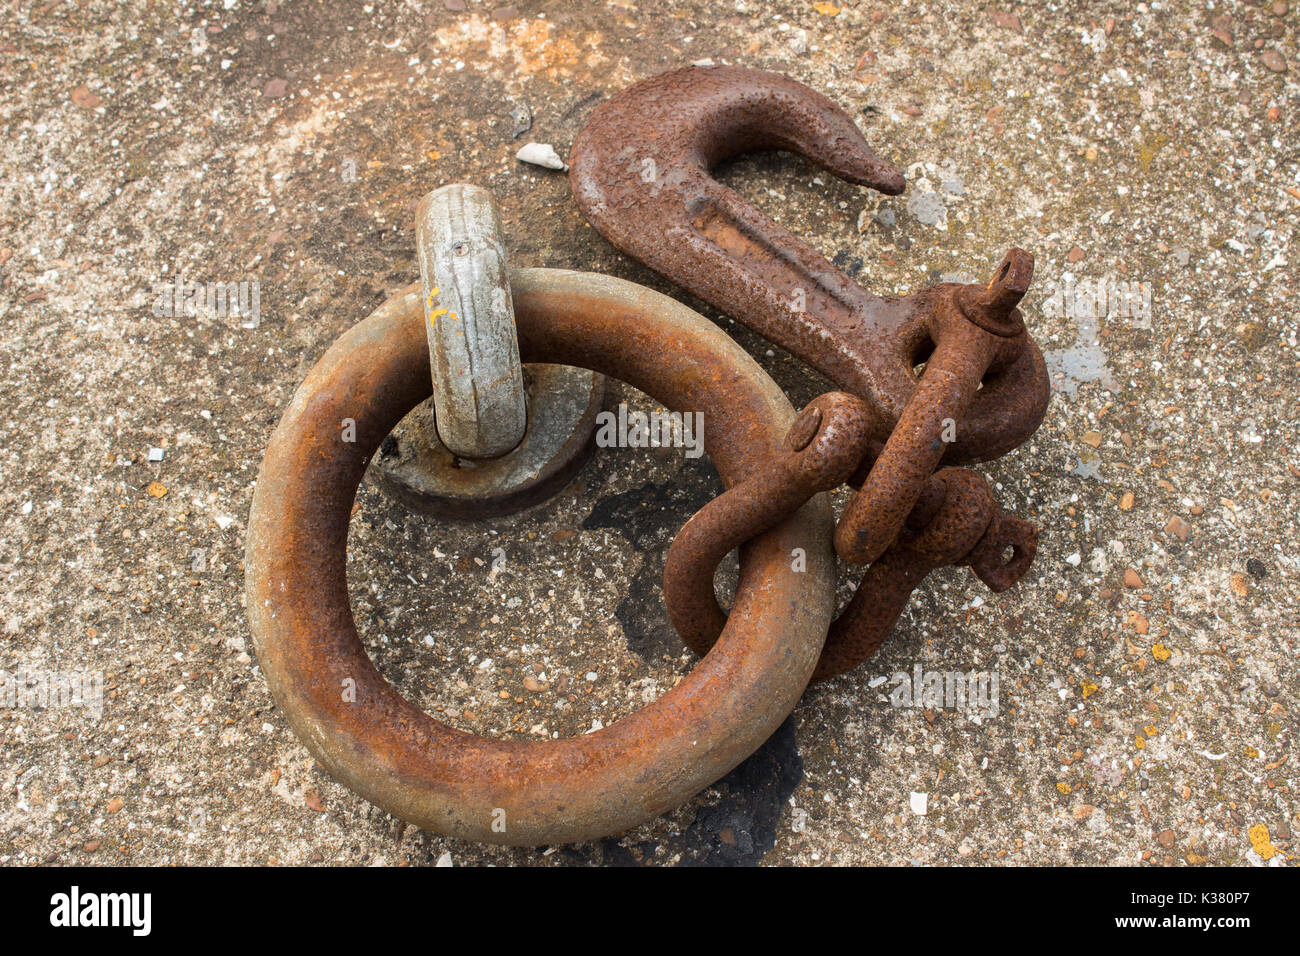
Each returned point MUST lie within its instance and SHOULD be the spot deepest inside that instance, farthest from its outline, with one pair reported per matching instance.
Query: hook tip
(889, 180)
(870, 170)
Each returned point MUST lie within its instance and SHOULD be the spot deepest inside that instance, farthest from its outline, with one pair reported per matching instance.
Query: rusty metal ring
(400, 758)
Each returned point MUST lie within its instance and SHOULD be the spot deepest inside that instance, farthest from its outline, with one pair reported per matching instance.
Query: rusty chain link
(955, 520)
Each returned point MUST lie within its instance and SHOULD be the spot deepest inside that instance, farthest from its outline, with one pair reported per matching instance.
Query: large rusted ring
(555, 791)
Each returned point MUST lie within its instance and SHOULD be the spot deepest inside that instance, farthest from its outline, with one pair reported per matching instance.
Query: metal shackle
(478, 381)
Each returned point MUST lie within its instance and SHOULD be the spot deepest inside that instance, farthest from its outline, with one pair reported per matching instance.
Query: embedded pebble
(540, 154)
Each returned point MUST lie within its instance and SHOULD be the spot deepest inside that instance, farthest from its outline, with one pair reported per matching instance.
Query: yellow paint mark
(1259, 839)
(827, 9)
(1160, 652)
(1140, 743)
(1089, 688)
(156, 489)
(1063, 787)
(1252, 753)
(1150, 147)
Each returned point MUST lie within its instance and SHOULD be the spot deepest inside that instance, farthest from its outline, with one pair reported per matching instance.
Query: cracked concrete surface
(1146, 665)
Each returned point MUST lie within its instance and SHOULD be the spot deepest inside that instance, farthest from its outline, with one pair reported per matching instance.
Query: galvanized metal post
(478, 384)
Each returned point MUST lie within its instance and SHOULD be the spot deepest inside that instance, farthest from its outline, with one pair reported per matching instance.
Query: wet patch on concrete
(648, 517)
(737, 830)
(740, 828)
(642, 614)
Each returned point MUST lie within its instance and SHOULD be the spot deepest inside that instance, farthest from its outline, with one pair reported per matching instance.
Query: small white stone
(540, 154)
(156, 454)
(444, 860)
(920, 803)
(592, 675)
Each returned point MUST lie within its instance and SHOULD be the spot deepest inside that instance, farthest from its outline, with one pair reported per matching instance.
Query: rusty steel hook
(641, 175)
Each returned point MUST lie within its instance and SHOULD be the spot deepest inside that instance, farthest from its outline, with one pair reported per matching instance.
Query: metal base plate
(417, 469)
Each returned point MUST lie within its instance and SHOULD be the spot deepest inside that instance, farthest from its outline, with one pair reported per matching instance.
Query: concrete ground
(1147, 693)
